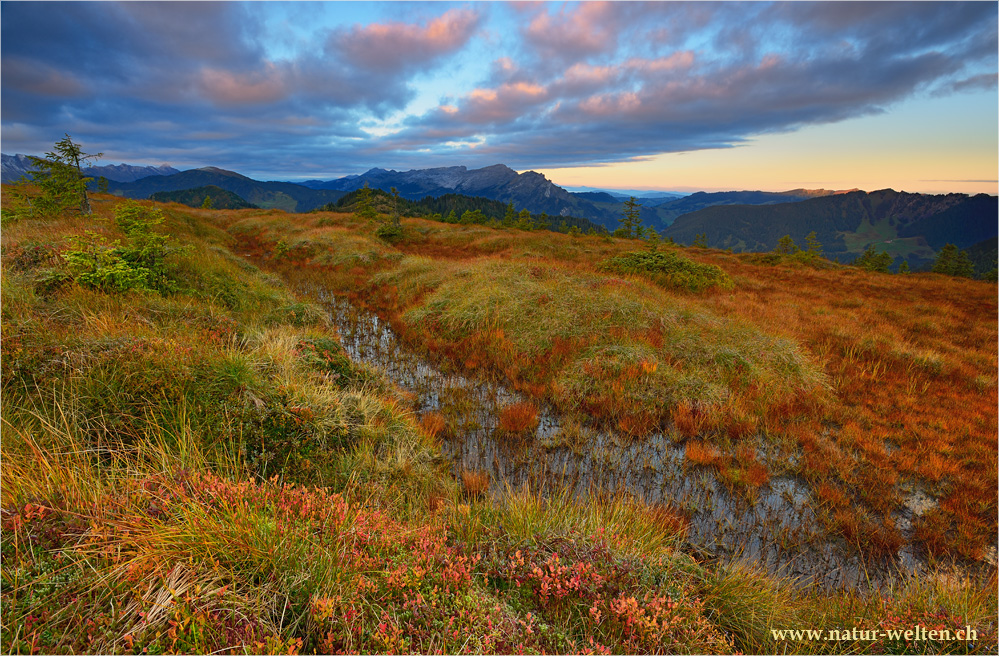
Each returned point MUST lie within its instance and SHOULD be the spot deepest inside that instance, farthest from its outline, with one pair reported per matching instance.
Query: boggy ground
(191, 464)
(878, 390)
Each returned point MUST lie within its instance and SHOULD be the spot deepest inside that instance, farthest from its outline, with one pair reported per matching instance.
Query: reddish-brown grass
(476, 483)
(434, 424)
(669, 517)
(519, 418)
(687, 419)
(703, 453)
(636, 425)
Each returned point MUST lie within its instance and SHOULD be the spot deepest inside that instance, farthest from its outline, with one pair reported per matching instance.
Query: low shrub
(138, 263)
(670, 270)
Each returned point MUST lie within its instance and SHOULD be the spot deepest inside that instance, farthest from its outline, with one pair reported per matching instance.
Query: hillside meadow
(192, 463)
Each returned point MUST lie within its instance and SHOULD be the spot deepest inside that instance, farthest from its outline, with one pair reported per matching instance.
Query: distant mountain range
(14, 167)
(278, 195)
(530, 190)
(908, 226)
(625, 194)
(533, 191)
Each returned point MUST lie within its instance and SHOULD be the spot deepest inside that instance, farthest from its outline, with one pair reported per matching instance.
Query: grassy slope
(205, 470)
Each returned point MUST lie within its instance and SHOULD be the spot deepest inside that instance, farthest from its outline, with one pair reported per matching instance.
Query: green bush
(140, 263)
(872, 260)
(96, 264)
(670, 270)
(389, 232)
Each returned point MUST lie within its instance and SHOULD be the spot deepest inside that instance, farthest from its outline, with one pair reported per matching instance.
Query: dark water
(777, 530)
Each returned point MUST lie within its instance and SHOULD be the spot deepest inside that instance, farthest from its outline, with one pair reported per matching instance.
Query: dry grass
(475, 483)
(519, 418)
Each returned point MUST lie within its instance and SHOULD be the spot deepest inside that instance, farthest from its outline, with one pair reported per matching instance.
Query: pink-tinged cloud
(611, 105)
(503, 103)
(258, 87)
(587, 29)
(394, 47)
(677, 62)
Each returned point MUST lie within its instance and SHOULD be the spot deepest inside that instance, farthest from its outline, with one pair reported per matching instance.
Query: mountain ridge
(13, 167)
(906, 225)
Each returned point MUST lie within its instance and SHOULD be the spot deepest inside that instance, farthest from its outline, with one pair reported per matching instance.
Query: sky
(637, 95)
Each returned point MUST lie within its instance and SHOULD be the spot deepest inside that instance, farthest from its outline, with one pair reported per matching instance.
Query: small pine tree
(903, 268)
(786, 246)
(395, 208)
(451, 217)
(60, 177)
(701, 240)
(946, 260)
(524, 221)
(510, 215)
(963, 266)
(365, 208)
(652, 237)
(812, 244)
(871, 260)
(632, 219)
(102, 185)
(207, 205)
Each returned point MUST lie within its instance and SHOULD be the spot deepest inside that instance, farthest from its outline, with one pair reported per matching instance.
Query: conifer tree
(60, 177)
(963, 266)
(524, 220)
(812, 244)
(786, 246)
(946, 260)
(632, 219)
(872, 260)
(395, 207)
(510, 216)
(364, 207)
(652, 237)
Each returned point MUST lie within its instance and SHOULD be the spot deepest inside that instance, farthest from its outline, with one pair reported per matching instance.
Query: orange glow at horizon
(869, 153)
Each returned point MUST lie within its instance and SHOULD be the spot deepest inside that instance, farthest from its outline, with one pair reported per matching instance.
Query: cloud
(983, 82)
(261, 86)
(568, 84)
(398, 47)
(99, 70)
(809, 64)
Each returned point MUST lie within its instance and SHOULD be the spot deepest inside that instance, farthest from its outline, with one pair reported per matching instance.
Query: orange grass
(703, 453)
(519, 418)
(433, 424)
(476, 483)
